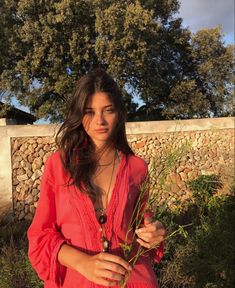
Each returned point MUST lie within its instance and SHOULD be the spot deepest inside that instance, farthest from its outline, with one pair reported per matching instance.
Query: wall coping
(180, 125)
(147, 127)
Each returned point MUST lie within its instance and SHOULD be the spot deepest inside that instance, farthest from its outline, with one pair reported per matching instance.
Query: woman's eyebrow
(107, 106)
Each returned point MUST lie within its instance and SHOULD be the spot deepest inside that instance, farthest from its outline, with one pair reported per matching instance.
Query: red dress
(66, 215)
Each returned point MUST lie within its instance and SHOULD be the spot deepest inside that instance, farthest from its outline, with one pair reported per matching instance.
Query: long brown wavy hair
(77, 150)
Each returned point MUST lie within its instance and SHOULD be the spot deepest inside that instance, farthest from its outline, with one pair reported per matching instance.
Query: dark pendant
(102, 219)
(105, 244)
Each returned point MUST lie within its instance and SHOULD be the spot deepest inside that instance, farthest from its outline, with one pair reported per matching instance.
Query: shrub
(204, 187)
(205, 259)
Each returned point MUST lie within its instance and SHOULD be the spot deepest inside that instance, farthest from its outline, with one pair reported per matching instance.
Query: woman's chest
(76, 216)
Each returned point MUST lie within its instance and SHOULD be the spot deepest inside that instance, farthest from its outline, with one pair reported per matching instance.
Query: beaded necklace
(102, 219)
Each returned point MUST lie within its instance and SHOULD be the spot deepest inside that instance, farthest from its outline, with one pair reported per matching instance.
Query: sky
(199, 14)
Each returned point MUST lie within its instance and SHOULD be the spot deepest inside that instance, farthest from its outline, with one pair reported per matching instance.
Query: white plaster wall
(5, 172)
(2, 121)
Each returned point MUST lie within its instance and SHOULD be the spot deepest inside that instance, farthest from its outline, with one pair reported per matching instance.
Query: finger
(111, 266)
(110, 275)
(145, 236)
(148, 244)
(115, 259)
(143, 243)
(147, 221)
(159, 225)
(152, 227)
(161, 229)
(158, 236)
(146, 229)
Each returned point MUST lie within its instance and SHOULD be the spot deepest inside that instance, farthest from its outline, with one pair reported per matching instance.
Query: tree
(146, 47)
(208, 89)
(7, 34)
(54, 45)
(49, 44)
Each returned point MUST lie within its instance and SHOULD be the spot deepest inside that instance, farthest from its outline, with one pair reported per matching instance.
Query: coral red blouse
(66, 215)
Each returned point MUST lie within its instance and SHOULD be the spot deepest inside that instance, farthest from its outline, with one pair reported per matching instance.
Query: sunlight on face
(99, 118)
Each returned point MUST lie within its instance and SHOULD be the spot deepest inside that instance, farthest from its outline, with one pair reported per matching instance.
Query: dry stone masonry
(28, 158)
(203, 152)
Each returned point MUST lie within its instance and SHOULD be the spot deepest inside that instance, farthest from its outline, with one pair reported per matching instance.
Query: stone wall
(28, 158)
(203, 152)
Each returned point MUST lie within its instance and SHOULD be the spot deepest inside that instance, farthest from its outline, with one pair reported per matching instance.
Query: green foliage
(202, 256)
(204, 187)
(206, 256)
(232, 187)
(208, 89)
(47, 45)
(15, 269)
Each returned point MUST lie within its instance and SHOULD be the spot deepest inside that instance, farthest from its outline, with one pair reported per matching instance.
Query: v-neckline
(112, 201)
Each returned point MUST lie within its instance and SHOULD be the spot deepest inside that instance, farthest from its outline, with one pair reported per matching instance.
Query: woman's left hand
(151, 234)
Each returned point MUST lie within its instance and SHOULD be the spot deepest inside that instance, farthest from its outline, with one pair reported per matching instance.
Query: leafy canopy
(47, 45)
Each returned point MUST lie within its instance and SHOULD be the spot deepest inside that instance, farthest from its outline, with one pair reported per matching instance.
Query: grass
(15, 269)
(205, 258)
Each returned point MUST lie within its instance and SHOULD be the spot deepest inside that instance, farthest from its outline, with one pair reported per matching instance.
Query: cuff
(57, 270)
(158, 252)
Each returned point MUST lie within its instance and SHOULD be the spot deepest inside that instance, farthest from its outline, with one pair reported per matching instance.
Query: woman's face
(99, 118)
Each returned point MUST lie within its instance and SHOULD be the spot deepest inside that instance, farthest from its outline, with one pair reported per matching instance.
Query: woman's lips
(101, 130)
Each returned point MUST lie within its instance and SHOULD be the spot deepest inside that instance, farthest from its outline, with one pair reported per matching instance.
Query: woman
(88, 191)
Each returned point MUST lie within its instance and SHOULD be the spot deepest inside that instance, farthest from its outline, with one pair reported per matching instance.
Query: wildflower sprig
(149, 192)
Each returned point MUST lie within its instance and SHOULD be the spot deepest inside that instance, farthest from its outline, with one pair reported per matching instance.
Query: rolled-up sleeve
(44, 237)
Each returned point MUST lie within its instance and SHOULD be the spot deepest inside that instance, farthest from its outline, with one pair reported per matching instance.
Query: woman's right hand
(103, 268)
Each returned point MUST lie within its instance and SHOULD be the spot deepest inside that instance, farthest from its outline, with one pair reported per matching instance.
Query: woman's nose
(100, 119)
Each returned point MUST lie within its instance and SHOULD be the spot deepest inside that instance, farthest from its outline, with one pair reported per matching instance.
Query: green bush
(206, 258)
(204, 187)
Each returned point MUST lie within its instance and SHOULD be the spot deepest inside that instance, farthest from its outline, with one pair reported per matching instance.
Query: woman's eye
(109, 110)
(89, 113)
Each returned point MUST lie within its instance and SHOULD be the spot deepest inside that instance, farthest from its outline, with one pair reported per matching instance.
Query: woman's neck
(105, 155)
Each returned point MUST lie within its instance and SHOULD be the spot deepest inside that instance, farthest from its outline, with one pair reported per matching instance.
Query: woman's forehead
(99, 99)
